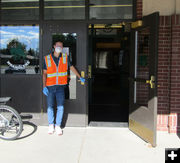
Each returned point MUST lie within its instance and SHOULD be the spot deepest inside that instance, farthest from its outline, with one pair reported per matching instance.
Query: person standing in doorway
(55, 78)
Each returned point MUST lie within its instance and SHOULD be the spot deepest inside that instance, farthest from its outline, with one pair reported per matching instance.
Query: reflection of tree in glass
(4, 51)
(14, 43)
(31, 52)
(68, 40)
(17, 50)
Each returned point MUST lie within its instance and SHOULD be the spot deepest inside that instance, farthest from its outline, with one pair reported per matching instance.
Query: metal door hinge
(136, 24)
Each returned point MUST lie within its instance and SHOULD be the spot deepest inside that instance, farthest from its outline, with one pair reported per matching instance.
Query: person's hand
(82, 80)
(45, 91)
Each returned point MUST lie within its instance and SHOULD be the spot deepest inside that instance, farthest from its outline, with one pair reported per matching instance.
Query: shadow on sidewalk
(25, 132)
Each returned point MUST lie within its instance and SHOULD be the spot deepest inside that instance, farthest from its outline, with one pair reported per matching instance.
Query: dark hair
(57, 41)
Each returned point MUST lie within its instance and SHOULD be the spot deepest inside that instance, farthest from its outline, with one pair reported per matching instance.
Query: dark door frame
(143, 120)
(78, 105)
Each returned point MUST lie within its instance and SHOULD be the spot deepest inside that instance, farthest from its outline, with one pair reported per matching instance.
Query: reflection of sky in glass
(29, 35)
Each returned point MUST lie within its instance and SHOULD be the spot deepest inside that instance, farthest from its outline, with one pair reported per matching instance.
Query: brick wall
(139, 9)
(175, 75)
(169, 74)
(164, 59)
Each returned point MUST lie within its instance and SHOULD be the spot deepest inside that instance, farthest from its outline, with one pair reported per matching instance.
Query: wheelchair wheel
(11, 124)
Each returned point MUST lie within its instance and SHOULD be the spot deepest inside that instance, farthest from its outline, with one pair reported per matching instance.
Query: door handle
(151, 82)
(83, 76)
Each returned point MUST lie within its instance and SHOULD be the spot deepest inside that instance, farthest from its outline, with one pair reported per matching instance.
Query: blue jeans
(55, 92)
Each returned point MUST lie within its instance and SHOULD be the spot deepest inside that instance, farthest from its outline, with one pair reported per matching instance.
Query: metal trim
(145, 133)
(136, 24)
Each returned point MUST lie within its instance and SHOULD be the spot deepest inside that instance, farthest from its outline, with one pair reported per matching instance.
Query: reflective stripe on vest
(64, 58)
(57, 74)
(48, 61)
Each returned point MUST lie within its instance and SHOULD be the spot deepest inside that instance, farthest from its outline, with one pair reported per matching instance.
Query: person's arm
(44, 78)
(73, 69)
(44, 73)
(45, 89)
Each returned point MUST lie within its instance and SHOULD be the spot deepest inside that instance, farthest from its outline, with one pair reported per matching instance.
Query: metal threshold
(108, 124)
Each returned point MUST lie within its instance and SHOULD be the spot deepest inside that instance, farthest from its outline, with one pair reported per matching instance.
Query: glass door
(74, 41)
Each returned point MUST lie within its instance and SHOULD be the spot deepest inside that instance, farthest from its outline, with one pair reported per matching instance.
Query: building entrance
(109, 49)
(123, 75)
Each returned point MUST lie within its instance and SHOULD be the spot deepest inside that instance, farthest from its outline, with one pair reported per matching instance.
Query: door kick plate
(142, 131)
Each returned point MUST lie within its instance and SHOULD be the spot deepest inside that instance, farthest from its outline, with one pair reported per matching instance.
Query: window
(19, 10)
(142, 89)
(113, 9)
(19, 49)
(64, 9)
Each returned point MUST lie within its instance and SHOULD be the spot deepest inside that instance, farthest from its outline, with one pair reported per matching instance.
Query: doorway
(109, 50)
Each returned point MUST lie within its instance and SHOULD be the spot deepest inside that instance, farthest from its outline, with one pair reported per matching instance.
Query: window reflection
(101, 59)
(110, 59)
(142, 67)
(19, 49)
(113, 9)
(20, 10)
(61, 9)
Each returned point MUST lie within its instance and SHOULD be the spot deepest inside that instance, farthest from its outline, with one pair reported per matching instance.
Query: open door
(143, 78)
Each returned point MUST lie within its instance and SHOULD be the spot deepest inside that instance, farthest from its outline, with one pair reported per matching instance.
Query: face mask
(58, 49)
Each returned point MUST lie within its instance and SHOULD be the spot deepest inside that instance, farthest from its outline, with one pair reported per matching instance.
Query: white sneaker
(51, 129)
(58, 130)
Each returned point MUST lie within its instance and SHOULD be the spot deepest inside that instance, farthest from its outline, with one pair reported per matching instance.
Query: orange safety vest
(56, 75)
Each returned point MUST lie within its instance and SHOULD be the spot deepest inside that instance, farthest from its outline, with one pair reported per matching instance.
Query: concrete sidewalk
(85, 145)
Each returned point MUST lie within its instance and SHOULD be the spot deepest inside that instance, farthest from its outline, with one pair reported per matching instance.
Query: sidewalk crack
(82, 144)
